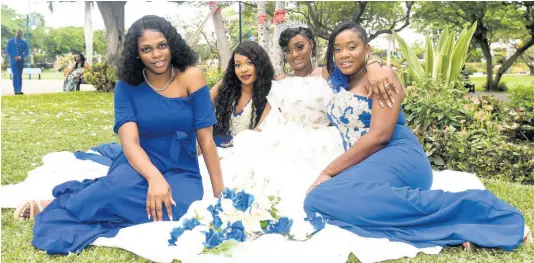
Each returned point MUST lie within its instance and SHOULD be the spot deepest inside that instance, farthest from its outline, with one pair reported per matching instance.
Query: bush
(522, 97)
(213, 75)
(62, 62)
(102, 76)
(465, 133)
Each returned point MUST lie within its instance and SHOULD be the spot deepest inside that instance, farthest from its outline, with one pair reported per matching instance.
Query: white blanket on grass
(149, 240)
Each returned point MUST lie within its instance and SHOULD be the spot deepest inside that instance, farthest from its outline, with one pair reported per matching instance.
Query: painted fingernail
(392, 99)
(396, 90)
(382, 104)
(389, 104)
(171, 218)
(148, 217)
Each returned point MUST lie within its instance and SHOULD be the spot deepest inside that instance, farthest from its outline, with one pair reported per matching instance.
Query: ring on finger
(387, 85)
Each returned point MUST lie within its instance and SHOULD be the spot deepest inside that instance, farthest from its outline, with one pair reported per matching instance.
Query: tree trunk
(276, 50)
(88, 30)
(113, 16)
(510, 61)
(262, 25)
(483, 42)
(529, 63)
(222, 40)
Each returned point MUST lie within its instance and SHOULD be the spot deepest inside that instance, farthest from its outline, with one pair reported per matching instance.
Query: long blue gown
(387, 195)
(83, 211)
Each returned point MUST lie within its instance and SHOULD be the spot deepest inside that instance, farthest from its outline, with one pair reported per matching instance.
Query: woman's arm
(205, 135)
(383, 122)
(71, 69)
(211, 158)
(266, 111)
(214, 91)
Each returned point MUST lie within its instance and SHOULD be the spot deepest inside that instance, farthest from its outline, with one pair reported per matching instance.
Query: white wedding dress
(295, 144)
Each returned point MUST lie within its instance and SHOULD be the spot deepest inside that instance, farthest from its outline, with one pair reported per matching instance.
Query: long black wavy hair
(332, 39)
(230, 89)
(290, 33)
(82, 60)
(130, 67)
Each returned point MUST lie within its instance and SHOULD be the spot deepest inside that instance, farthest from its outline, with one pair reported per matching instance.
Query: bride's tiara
(292, 24)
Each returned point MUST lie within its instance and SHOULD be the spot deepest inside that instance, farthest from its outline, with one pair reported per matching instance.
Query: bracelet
(374, 61)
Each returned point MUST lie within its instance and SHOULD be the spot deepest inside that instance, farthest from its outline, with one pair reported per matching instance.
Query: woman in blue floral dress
(380, 186)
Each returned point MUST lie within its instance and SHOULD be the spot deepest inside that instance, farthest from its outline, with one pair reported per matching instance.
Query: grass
(47, 74)
(35, 125)
(510, 80)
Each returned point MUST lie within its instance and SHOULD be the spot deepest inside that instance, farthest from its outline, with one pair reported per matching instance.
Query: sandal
(469, 247)
(527, 239)
(19, 213)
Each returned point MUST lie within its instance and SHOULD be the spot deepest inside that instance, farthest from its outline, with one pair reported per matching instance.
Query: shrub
(63, 61)
(213, 75)
(102, 76)
(465, 133)
(522, 98)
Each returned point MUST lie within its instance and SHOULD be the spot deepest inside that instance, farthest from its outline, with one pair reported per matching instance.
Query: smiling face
(298, 52)
(77, 58)
(154, 51)
(350, 52)
(244, 69)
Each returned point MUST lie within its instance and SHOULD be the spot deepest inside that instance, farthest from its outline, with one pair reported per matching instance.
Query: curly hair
(230, 90)
(130, 67)
(332, 39)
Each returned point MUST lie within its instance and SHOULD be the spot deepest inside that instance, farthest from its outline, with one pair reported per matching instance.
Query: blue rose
(228, 194)
(213, 239)
(217, 222)
(316, 221)
(175, 234)
(190, 223)
(236, 231)
(282, 226)
(243, 201)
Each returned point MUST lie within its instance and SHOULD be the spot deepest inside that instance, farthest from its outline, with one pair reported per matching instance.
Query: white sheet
(332, 244)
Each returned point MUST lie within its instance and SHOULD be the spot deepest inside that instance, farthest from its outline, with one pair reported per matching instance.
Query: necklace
(166, 85)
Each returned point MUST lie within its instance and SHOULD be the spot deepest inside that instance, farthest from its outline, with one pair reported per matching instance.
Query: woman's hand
(323, 177)
(159, 191)
(217, 190)
(379, 84)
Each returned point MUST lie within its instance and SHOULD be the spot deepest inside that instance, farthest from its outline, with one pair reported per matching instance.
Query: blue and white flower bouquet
(237, 216)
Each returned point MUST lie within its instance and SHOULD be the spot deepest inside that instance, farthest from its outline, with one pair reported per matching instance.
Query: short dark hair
(130, 66)
(290, 33)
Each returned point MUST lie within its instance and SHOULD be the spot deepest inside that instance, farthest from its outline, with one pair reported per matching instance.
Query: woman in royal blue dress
(162, 104)
(380, 186)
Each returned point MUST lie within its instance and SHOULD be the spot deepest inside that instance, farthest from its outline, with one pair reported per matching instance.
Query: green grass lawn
(47, 74)
(35, 125)
(510, 80)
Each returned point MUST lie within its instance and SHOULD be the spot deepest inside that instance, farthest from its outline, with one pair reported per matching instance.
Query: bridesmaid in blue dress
(162, 103)
(380, 186)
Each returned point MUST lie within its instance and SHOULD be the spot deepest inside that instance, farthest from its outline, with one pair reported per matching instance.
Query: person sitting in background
(74, 74)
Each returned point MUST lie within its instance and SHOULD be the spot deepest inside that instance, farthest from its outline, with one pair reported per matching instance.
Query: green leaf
(414, 66)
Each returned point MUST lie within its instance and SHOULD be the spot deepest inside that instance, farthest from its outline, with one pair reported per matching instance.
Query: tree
(494, 19)
(376, 17)
(220, 32)
(88, 31)
(113, 16)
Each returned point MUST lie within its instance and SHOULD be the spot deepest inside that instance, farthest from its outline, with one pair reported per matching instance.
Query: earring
(366, 58)
(333, 59)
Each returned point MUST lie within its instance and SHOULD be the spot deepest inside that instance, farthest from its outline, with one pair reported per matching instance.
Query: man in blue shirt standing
(17, 50)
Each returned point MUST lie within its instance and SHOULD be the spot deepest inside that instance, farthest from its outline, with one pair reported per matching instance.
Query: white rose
(300, 229)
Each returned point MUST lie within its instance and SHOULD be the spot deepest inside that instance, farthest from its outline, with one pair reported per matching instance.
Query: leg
(20, 67)
(15, 71)
(421, 217)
